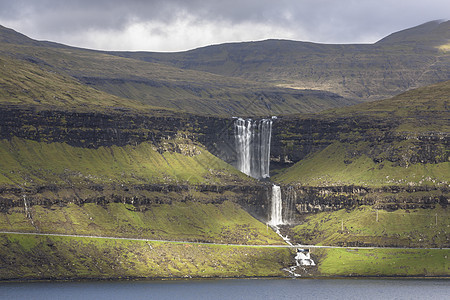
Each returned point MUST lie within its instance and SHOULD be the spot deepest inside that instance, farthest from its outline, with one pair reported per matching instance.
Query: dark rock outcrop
(117, 127)
(255, 199)
(317, 199)
(293, 138)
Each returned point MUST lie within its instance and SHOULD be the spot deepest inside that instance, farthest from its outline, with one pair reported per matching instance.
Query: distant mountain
(146, 83)
(11, 36)
(432, 34)
(255, 78)
(23, 83)
(404, 60)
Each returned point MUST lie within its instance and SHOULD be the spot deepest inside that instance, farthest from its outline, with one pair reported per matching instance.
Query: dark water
(233, 289)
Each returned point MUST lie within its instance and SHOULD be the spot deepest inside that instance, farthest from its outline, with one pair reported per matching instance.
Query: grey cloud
(314, 20)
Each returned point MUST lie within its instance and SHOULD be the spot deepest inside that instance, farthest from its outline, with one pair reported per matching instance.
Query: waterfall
(243, 139)
(290, 198)
(27, 210)
(276, 215)
(252, 140)
(282, 205)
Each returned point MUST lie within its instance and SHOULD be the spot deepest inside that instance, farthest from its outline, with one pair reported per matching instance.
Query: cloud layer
(174, 25)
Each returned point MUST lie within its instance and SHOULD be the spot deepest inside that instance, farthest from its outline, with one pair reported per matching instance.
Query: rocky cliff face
(317, 199)
(119, 127)
(255, 199)
(94, 129)
(296, 137)
(303, 200)
(293, 138)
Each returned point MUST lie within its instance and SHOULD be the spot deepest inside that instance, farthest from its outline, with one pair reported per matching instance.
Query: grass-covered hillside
(157, 84)
(69, 258)
(189, 220)
(40, 163)
(24, 83)
(369, 226)
(408, 59)
(419, 110)
(398, 141)
(351, 164)
(383, 262)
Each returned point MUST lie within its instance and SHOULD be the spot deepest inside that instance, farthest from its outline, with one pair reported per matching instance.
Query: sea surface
(232, 289)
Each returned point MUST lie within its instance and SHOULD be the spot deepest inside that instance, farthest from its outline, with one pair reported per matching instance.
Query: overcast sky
(174, 25)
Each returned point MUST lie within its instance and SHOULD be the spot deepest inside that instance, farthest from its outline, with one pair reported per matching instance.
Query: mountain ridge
(268, 77)
(362, 71)
(410, 34)
(162, 85)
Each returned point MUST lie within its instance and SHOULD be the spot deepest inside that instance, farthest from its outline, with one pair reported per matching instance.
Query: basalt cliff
(370, 141)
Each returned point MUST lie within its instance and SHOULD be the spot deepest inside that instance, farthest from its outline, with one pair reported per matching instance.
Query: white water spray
(243, 140)
(276, 215)
(253, 140)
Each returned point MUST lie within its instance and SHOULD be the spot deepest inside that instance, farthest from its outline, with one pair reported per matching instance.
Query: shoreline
(118, 279)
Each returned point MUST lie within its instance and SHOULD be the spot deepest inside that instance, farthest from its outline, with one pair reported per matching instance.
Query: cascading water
(253, 146)
(290, 198)
(243, 139)
(252, 140)
(276, 215)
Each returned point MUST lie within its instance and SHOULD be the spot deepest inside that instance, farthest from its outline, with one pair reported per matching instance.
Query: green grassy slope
(28, 257)
(191, 220)
(404, 60)
(400, 228)
(119, 259)
(383, 262)
(420, 110)
(417, 113)
(25, 83)
(335, 166)
(25, 161)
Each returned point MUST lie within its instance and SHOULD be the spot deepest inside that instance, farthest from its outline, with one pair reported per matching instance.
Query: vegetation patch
(366, 226)
(25, 83)
(188, 221)
(421, 110)
(29, 162)
(44, 257)
(383, 262)
(345, 164)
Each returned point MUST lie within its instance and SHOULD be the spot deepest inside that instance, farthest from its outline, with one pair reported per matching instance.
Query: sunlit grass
(332, 166)
(182, 221)
(44, 257)
(58, 163)
(367, 226)
(384, 262)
